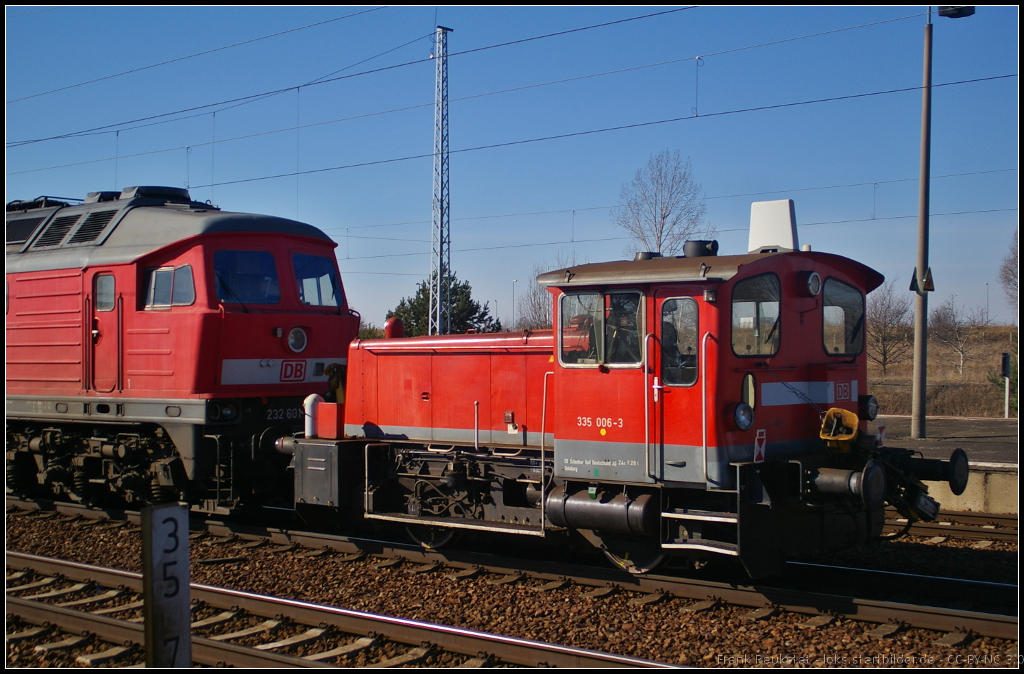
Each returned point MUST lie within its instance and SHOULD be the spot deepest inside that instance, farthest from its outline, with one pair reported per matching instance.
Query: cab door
(600, 386)
(103, 313)
(676, 404)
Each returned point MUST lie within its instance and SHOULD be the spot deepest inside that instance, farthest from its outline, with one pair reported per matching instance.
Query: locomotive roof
(683, 269)
(116, 228)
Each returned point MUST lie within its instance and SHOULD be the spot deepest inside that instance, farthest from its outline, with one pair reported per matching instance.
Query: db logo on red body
(293, 370)
(842, 390)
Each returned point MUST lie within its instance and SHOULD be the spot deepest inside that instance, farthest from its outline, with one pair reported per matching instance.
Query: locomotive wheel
(431, 538)
(635, 556)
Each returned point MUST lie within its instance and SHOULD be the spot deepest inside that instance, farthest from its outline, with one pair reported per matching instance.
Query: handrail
(119, 383)
(543, 428)
(704, 400)
(647, 410)
(86, 344)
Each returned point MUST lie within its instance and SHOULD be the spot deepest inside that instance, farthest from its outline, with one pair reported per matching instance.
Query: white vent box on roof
(772, 226)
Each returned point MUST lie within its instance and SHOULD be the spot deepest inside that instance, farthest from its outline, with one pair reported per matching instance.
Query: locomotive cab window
(843, 324)
(755, 316)
(579, 328)
(622, 332)
(317, 281)
(600, 328)
(246, 277)
(167, 287)
(679, 342)
(104, 292)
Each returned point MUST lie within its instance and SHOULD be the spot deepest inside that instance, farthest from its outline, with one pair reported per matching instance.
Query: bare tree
(533, 308)
(663, 206)
(1009, 273)
(889, 326)
(959, 330)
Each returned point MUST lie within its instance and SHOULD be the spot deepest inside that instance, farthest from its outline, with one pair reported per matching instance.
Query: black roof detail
(120, 230)
(38, 202)
(93, 226)
(22, 229)
(55, 231)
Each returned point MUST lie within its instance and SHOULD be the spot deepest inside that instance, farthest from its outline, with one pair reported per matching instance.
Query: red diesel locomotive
(691, 407)
(157, 347)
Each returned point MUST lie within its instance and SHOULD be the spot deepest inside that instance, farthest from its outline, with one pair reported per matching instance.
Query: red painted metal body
(58, 344)
(453, 389)
(429, 388)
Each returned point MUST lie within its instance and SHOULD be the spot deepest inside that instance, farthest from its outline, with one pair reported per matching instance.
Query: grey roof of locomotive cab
(141, 221)
(715, 268)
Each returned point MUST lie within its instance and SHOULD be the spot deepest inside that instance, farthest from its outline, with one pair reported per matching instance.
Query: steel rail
(927, 617)
(983, 592)
(468, 642)
(204, 651)
(964, 532)
(979, 518)
(1008, 520)
(961, 525)
(796, 601)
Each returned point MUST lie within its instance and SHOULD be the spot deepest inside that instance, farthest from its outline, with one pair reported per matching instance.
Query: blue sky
(850, 165)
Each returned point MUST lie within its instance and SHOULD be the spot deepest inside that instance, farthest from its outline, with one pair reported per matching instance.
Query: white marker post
(1006, 378)
(165, 581)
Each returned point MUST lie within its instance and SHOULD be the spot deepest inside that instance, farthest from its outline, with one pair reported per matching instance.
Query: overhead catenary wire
(720, 196)
(190, 56)
(621, 127)
(566, 80)
(296, 88)
(109, 127)
(36, 11)
(622, 238)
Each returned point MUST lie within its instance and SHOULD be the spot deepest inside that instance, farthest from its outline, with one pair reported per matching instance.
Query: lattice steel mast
(440, 240)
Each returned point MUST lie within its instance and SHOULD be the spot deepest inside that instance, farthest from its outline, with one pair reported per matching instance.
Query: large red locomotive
(157, 347)
(695, 406)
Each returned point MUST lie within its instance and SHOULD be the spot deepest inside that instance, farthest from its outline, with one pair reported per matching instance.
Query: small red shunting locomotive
(693, 406)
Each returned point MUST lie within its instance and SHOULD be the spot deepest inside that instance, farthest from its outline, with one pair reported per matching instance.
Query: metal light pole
(513, 326)
(922, 282)
(919, 408)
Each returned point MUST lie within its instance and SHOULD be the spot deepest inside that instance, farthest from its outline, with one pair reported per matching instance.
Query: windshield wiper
(223, 283)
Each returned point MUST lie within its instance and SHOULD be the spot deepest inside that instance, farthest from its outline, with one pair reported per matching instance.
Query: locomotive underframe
(778, 509)
(215, 455)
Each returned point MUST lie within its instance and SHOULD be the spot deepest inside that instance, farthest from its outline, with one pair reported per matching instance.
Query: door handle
(656, 387)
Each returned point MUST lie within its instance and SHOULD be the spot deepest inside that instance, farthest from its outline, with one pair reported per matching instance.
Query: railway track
(328, 635)
(962, 525)
(1000, 620)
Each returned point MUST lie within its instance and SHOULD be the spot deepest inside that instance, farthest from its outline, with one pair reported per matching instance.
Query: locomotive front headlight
(297, 340)
(741, 415)
(868, 407)
(222, 411)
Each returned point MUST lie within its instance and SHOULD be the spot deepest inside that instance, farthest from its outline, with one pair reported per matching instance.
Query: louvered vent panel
(93, 226)
(54, 234)
(20, 231)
